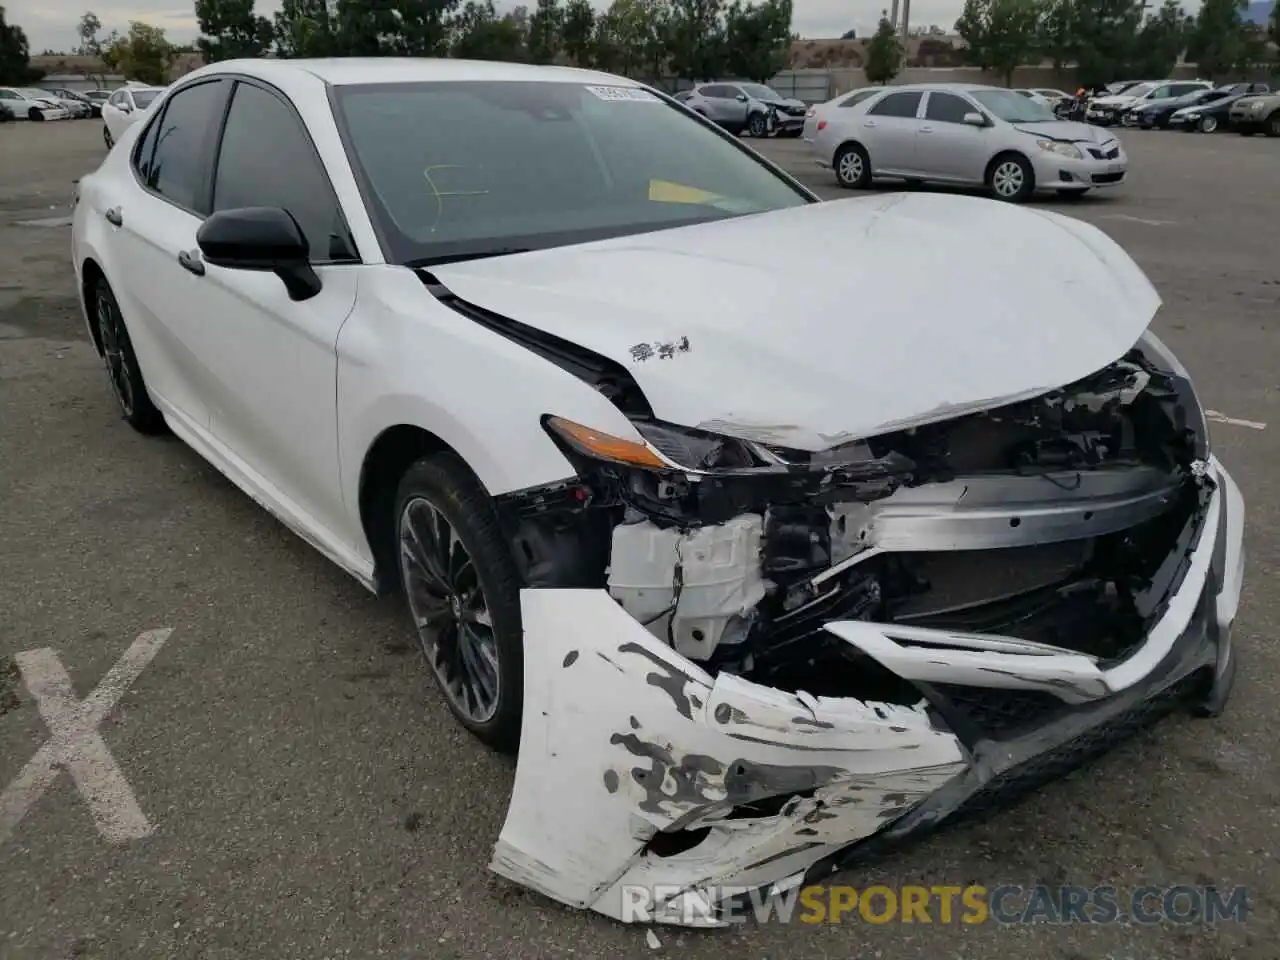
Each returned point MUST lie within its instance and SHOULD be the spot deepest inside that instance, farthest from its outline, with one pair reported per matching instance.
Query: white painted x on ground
(75, 744)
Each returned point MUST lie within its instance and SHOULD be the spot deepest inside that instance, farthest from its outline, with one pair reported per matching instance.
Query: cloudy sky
(51, 24)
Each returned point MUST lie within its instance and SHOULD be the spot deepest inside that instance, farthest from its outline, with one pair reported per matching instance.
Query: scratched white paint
(1217, 417)
(74, 743)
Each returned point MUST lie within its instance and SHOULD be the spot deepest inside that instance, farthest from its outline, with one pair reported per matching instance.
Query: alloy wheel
(1208, 124)
(111, 326)
(757, 125)
(449, 609)
(1007, 179)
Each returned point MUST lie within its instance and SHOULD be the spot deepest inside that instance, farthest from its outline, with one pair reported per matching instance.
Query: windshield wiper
(461, 257)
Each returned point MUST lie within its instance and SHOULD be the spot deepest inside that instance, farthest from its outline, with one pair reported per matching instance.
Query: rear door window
(898, 105)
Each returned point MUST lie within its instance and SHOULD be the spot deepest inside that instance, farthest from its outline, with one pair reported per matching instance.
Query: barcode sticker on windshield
(624, 93)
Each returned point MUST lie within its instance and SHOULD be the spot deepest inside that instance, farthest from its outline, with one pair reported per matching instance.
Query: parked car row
(1190, 105)
(962, 134)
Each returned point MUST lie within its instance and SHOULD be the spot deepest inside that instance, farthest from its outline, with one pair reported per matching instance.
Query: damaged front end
(745, 659)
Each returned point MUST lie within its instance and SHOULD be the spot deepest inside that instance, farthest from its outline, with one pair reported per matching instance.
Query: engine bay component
(694, 589)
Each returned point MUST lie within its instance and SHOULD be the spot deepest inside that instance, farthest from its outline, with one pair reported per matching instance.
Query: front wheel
(463, 593)
(1208, 124)
(123, 369)
(757, 125)
(853, 167)
(1011, 178)
(34, 114)
(107, 138)
(1273, 125)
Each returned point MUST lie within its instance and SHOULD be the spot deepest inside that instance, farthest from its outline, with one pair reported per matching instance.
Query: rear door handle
(114, 217)
(191, 262)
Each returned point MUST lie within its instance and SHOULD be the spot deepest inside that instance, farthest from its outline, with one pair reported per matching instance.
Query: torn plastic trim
(623, 739)
(939, 656)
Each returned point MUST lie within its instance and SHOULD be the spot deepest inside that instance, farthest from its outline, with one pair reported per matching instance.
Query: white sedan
(124, 108)
(747, 573)
(27, 104)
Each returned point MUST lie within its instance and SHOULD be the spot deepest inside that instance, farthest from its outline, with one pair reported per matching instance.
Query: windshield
(458, 170)
(31, 93)
(98, 94)
(144, 98)
(1141, 90)
(759, 91)
(1012, 108)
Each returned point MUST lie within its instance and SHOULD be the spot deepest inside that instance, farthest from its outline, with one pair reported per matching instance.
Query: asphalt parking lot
(301, 792)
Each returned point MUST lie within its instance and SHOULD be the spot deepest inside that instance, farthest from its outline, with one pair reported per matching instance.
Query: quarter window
(267, 160)
(897, 105)
(947, 108)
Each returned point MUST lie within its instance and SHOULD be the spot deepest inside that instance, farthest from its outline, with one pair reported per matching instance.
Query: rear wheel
(1010, 178)
(463, 593)
(123, 370)
(1273, 125)
(1208, 124)
(853, 167)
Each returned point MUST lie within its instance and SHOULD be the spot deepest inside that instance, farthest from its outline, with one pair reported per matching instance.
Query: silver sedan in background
(961, 134)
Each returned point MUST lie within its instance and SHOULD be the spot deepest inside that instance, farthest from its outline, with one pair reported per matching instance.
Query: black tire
(1273, 125)
(1007, 185)
(123, 371)
(34, 114)
(107, 138)
(441, 486)
(757, 125)
(852, 167)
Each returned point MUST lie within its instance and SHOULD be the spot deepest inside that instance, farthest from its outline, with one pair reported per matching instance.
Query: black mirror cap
(252, 238)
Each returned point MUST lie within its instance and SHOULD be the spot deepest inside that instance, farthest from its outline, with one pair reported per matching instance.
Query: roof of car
(352, 70)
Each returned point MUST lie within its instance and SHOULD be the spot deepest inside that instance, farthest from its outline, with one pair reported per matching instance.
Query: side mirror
(975, 119)
(741, 98)
(261, 238)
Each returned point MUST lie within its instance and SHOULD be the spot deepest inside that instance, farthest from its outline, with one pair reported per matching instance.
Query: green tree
(305, 28)
(230, 29)
(87, 30)
(478, 33)
(15, 55)
(1099, 36)
(1162, 40)
(404, 28)
(545, 25)
(1001, 34)
(758, 38)
(578, 33)
(884, 53)
(1219, 42)
(143, 53)
(621, 33)
(696, 39)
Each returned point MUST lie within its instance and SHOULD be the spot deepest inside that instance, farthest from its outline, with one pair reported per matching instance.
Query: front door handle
(114, 217)
(869, 123)
(926, 129)
(191, 262)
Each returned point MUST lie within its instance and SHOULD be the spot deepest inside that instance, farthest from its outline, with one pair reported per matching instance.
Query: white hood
(816, 325)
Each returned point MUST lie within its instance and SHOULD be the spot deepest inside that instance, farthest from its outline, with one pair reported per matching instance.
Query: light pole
(906, 21)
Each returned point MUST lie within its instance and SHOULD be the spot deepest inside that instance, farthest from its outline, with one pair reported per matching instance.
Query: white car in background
(747, 571)
(962, 134)
(124, 108)
(28, 104)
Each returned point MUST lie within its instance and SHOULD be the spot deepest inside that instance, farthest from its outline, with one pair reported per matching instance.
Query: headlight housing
(1197, 423)
(664, 447)
(1061, 149)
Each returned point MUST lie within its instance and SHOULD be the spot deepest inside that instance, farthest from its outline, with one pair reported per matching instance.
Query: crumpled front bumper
(626, 743)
